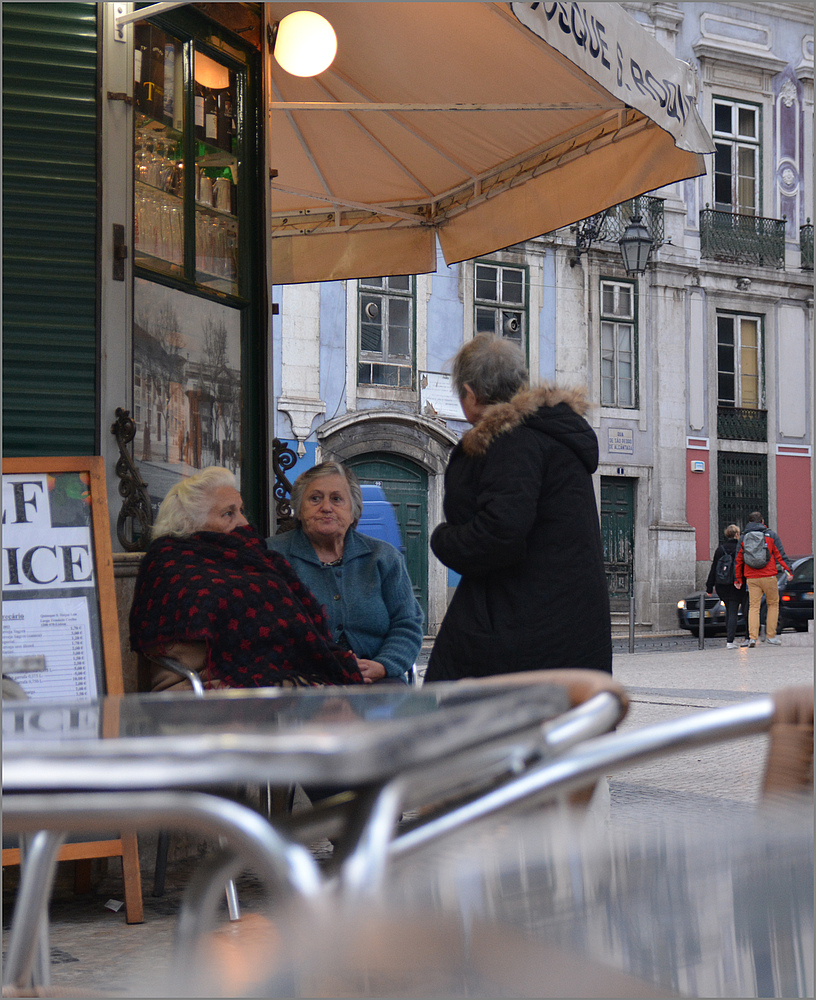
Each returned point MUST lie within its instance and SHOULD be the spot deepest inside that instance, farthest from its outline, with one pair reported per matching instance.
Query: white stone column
(300, 359)
(672, 554)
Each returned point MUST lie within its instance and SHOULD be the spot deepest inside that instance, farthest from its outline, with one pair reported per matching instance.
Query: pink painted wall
(794, 522)
(698, 500)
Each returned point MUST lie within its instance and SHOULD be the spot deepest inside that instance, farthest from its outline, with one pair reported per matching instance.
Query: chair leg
(162, 847)
(232, 901)
(82, 875)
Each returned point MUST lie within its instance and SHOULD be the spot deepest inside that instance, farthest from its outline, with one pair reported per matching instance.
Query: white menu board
(50, 585)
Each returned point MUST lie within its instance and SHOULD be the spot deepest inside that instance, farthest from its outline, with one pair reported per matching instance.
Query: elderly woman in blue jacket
(361, 582)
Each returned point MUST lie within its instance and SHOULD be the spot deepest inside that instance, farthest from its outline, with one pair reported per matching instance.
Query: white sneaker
(750, 643)
(774, 641)
(730, 645)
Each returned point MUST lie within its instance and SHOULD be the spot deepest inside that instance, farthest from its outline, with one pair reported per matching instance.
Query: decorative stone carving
(788, 93)
(301, 412)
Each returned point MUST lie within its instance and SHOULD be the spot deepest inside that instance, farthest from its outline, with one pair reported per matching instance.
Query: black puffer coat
(522, 529)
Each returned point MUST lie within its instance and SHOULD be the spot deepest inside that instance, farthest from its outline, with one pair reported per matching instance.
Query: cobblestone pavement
(96, 953)
(665, 686)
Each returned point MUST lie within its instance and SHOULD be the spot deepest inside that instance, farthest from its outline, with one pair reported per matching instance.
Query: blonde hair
(185, 508)
(732, 531)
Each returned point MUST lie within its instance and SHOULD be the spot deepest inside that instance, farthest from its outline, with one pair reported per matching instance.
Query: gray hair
(318, 472)
(732, 531)
(493, 367)
(187, 504)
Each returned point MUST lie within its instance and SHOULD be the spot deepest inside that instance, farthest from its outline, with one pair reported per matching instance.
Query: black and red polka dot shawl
(262, 626)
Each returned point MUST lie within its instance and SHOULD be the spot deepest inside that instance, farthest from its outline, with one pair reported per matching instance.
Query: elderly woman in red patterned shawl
(210, 594)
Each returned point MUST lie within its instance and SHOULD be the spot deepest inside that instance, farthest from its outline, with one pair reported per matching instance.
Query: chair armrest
(789, 763)
(581, 684)
(182, 660)
(178, 668)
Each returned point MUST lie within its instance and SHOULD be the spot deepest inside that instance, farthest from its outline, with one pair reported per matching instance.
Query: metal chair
(163, 842)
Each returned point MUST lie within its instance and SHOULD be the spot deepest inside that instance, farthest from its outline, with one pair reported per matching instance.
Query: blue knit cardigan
(368, 598)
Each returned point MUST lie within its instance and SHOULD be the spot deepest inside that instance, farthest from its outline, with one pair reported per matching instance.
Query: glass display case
(186, 161)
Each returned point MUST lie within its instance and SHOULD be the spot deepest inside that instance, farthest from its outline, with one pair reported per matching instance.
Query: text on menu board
(49, 583)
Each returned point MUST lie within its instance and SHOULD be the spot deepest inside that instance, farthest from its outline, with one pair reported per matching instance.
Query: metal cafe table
(151, 762)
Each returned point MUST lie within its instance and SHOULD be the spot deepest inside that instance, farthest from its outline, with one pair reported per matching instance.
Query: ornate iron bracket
(131, 487)
(283, 458)
(586, 232)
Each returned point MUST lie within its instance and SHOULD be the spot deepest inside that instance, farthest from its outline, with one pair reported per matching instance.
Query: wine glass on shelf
(176, 234)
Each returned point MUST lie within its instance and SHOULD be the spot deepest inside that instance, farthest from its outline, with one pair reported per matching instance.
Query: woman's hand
(372, 670)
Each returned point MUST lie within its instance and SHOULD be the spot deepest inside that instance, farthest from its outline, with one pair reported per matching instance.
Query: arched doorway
(406, 486)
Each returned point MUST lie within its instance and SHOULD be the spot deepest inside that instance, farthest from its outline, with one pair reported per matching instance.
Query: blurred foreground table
(142, 762)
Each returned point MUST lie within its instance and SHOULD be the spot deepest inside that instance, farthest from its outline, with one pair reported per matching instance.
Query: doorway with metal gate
(405, 485)
(618, 534)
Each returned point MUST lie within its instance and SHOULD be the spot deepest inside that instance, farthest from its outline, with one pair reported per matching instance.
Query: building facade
(699, 370)
(135, 282)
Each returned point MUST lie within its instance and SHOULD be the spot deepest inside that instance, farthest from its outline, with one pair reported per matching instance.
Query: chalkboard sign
(59, 603)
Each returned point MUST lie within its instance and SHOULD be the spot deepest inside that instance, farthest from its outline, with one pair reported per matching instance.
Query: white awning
(482, 124)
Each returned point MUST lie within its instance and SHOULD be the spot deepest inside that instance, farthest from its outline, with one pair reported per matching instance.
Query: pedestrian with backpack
(759, 559)
(721, 577)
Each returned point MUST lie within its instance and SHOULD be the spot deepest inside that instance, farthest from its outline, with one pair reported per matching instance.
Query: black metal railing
(650, 211)
(806, 246)
(742, 239)
(739, 423)
(283, 459)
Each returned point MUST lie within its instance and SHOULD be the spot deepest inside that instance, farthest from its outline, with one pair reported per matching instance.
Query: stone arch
(426, 442)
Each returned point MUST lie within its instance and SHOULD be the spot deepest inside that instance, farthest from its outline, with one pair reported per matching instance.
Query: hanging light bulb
(304, 43)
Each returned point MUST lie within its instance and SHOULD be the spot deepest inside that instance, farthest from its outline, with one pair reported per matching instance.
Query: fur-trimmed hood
(554, 411)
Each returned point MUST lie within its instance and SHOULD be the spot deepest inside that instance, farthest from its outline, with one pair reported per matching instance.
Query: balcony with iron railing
(619, 216)
(610, 225)
(806, 246)
(740, 423)
(742, 239)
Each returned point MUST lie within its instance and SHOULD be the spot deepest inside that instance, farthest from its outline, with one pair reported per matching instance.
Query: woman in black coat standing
(521, 526)
(731, 597)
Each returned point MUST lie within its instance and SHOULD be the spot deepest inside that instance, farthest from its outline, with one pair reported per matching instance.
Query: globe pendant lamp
(304, 43)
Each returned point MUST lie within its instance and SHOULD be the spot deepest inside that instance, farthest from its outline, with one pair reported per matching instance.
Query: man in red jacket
(761, 578)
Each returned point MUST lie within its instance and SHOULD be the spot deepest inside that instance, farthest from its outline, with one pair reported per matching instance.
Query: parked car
(795, 606)
(688, 615)
(796, 597)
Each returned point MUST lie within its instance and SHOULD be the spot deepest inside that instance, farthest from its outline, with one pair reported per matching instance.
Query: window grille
(742, 487)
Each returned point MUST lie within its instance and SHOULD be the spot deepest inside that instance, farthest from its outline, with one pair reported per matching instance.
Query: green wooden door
(618, 532)
(406, 486)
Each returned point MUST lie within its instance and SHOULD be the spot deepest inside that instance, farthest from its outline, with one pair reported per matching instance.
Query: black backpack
(724, 570)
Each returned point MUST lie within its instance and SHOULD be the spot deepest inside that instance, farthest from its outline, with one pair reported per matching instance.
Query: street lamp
(635, 246)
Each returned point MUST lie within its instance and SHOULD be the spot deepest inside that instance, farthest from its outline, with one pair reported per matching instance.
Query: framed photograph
(187, 399)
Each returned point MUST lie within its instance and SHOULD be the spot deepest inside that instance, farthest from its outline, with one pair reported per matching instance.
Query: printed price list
(59, 630)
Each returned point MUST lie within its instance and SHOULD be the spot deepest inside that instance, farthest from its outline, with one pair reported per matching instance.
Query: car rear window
(804, 572)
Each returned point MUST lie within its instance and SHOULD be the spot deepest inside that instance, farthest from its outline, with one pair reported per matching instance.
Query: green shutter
(50, 97)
